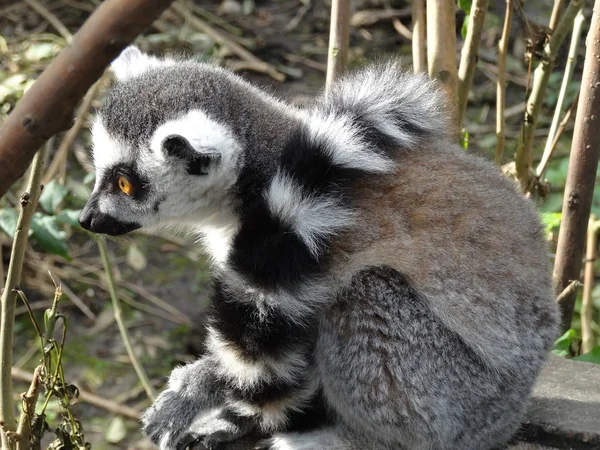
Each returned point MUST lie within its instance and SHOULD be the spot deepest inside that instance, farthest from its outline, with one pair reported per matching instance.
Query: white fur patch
(244, 373)
(201, 132)
(347, 148)
(217, 241)
(106, 149)
(208, 422)
(312, 218)
(274, 415)
(385, 95)
(247, 374)
(132, 62)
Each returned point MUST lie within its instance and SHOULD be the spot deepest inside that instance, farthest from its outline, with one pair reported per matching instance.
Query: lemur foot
(214, 429)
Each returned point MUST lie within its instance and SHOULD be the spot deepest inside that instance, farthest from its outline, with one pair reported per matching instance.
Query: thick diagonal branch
(47, 107)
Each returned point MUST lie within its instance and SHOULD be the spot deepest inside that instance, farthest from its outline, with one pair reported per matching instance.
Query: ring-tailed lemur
(374, 284)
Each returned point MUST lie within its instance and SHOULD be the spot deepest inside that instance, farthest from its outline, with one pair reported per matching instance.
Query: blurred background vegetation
(163, 282)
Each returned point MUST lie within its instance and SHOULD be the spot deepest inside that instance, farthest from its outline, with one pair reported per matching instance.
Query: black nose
(85, 218)
(98, 222)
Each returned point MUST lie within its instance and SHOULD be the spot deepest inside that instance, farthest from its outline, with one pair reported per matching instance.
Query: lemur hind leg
(395, 374)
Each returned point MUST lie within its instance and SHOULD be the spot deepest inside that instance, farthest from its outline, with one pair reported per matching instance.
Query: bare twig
(402, 29)
(51, 18)
(339, 40)
(47, 107)
(587, 333)
(468, 57)
(543, 165)
(77, 301)
(118, 317)
(29, 201)
(368, 17)
(61, 154)
(581, 176)
(571, 289)
(501, 82)
(556, 10)
(1, 265)
(292, 24)
(569, 69)
(216, 20)
(441, 49)
(523, 160)
(252, 61)
(29, 400)
(87, 397)
(418, 44)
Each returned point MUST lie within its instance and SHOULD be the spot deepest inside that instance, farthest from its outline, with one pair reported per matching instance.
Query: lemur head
(168, 144)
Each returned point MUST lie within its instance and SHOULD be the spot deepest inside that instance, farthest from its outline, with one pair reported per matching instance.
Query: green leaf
(69, 217)
(52, 196)
(8, 221)
(551, 220)
(47, 233)
(465, 5)
(465, 139)
(562, 346)
(592, 356)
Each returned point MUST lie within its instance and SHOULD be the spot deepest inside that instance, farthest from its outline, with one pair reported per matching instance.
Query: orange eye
(125, 185)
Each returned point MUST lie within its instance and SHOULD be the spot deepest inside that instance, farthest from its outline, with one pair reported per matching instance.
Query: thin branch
(556, 9)
(571, 289)
(501, 82)
(60, 157)
(402, 29)
(368, 17)
(254, 63)
(581, 175)
(110, 281)
(523, 160)
(441, 49)
(87, 397)
(47, 107)
(29, 200)
(543, 165)
(51, 18)
(28, 401)
(297, 19)
(339, 40)
(468, 56)
(569, 69)
(418, 44)
(588, 341)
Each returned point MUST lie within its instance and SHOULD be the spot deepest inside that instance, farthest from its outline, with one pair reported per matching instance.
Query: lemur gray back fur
(375, 286)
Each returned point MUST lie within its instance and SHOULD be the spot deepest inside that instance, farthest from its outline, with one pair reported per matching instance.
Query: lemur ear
(199, 161)
(131, 62)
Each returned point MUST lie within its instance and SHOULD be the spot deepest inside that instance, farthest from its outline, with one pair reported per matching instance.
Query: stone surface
(565, 406)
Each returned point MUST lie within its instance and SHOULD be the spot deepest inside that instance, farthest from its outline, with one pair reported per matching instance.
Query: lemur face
(160, 161)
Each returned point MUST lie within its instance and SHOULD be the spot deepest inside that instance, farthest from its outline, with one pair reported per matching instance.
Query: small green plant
(50, 374)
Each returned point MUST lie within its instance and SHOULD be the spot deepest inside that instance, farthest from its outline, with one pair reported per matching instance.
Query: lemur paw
(215, 428)
(168, 419)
